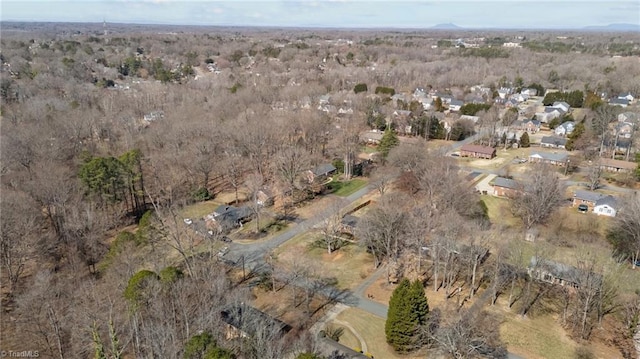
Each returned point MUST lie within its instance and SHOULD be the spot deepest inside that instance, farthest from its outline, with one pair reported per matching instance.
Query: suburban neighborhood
(174, 191)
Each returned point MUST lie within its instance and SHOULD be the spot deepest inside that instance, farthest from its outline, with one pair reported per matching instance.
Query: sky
(513, 14)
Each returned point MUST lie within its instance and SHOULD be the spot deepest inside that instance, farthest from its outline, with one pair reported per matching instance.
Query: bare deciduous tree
(538, 196)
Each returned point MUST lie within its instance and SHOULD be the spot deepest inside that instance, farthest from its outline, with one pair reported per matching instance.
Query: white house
(627, 96)
(549, 114)
(628, 117)
(455, 105)
(565, 128)
(605, 206)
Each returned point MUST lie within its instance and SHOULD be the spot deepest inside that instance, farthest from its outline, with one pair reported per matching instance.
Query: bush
(385, 90)
(134, 292)
(360, 88)
(170, 275)
(201, 194)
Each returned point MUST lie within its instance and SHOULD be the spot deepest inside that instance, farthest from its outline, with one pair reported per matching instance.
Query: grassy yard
(537, 337)
(500, 211)
(199, 210)
(349, 264)
(371, 329)
(345, 188)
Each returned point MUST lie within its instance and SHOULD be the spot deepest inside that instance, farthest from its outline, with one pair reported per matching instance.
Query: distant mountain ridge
(447, 26)
(614, 27)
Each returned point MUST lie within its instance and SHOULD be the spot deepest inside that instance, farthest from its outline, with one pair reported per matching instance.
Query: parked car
(583, 208)
(188, 221)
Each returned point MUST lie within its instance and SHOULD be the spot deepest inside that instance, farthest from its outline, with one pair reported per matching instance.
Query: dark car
(583, 208)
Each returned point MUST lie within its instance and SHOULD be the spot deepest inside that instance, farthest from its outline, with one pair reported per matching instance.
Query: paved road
(254, 254)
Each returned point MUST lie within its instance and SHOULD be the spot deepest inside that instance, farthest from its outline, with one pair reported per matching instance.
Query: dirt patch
(333, 257)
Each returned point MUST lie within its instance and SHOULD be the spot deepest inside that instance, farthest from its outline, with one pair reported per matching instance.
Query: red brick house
(504, 187)
(610, 165)
(477, 151)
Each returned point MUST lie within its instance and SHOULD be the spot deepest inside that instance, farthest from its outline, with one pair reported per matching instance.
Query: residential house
(477, 151)
(504, 92)
(627, 96)
(553, 142)
(226, 217)
(549, 114)
(606, 207)
(446, 98)
(529, 91)
(505, 187)
(372, 137)
(531, 126)
(622, 102)
(244, 321)
(455, 105)
(623, 129)
(321, 172)
(419, 92)
(520, 97)
(630, 117)
(556, 159)
(511, 103)
(562, 105)
(559, 273)
(565, 128)
(400, 97)
(611, 165)
(604, 203)
(324, 99)
(427, 102)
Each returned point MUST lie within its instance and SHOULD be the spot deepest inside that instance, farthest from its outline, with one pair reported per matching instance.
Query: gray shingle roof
(587, 195)
(323, 169)
(505, 182)
(556, 141)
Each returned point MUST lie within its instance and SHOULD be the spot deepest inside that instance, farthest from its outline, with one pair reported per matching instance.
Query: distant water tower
(104, 27)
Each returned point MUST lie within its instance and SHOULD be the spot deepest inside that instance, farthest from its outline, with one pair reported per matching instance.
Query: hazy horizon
(352, 14)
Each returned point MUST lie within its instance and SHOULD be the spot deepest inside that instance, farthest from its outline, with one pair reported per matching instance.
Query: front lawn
(371, 329)
(349, 264)
(346, 188)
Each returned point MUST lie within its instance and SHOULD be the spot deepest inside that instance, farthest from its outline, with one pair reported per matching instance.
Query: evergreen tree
(408, 309)
(418, 303)
(389, 140)
(524, 140)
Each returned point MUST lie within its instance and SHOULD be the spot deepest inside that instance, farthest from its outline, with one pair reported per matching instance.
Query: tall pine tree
(389, 140)
(408, 309)
(524, 140)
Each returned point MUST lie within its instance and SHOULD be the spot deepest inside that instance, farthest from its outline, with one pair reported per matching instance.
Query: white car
(188, 221)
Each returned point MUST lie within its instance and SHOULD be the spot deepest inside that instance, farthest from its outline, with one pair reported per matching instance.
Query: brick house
(610, 165)
(505, 187)
(477, 151)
